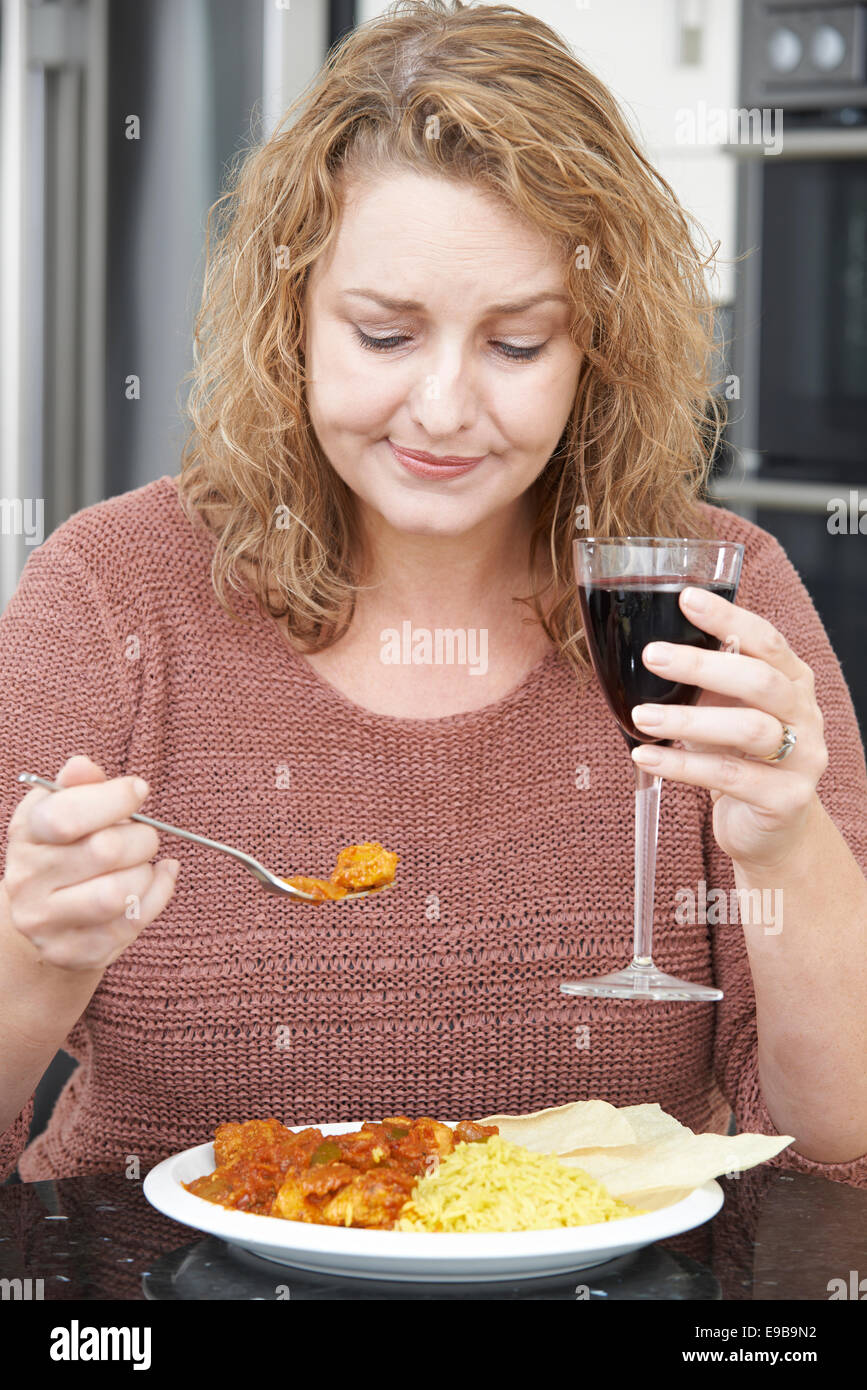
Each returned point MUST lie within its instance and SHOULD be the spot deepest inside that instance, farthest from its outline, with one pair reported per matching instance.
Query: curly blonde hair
(520, 116)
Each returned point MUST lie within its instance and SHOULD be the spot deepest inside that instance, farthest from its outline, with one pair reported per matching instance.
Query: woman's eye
(519, 354)
(378, 344)
(509, 350)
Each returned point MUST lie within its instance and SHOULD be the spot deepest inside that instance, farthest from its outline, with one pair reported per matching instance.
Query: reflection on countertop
(779, 1236)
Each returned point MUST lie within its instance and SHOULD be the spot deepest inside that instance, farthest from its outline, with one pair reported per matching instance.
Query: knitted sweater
(514, 826)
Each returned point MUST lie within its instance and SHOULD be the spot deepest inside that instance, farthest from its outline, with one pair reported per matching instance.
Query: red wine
(620, 617)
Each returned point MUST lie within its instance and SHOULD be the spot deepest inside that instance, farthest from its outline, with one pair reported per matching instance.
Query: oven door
(813, 366)
(796, 454)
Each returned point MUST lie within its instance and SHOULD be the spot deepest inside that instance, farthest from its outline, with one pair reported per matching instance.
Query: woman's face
(459, 375)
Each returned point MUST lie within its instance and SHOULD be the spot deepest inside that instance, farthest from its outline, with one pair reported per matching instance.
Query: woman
(353, 343)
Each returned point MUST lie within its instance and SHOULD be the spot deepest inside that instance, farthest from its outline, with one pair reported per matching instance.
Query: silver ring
(790, 738)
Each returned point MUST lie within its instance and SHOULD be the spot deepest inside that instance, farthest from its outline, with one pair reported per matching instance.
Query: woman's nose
(444, 397)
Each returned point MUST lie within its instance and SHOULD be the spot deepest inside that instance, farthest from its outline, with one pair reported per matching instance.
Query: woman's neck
(445, 581)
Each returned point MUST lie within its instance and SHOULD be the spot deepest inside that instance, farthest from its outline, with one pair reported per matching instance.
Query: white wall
(633, 46)
(295, 44)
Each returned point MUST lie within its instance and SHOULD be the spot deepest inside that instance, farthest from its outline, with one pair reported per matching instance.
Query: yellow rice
(499, 1186)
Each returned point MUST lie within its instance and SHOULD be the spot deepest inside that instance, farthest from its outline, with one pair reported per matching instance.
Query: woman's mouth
(428, 466)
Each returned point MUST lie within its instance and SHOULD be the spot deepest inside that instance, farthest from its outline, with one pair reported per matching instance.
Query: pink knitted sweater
(439, 998)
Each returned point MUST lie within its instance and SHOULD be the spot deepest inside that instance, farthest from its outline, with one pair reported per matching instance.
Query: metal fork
(270, 882)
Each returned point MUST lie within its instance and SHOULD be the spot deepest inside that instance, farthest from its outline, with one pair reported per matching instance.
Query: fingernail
(140, 787)
(647, 754)
(658, 653)
(174, 866)
(648, 714)
(695, 599)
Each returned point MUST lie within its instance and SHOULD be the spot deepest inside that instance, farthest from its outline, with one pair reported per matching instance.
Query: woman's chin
(431, 519)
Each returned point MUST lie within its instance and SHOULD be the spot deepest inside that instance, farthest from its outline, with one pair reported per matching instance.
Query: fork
(270, 882)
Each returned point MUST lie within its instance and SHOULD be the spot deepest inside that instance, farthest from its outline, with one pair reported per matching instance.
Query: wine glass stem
(646, 831)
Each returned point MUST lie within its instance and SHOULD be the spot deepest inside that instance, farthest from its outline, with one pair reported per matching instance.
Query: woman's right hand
(78, 883)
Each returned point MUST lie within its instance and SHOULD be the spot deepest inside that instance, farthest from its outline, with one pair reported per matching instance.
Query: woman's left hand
(764, 813)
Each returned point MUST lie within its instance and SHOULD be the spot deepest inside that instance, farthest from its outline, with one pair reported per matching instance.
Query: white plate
(433, 1257)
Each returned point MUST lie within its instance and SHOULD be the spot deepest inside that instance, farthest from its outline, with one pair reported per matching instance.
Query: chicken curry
(362, 1178)
(359, 866)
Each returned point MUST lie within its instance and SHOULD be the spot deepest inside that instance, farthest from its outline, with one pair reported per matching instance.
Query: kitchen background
(756, 114)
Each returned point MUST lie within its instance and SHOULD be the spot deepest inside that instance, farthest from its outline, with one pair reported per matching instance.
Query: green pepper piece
(325, 1152)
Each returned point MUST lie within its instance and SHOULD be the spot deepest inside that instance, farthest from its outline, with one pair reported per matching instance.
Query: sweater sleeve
(775, 591)
(63, 690)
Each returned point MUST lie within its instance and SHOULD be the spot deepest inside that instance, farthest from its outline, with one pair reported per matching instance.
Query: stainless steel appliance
(117, 122)
(798, 432)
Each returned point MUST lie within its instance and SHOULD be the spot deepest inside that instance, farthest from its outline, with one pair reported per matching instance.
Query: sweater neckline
(326, 693)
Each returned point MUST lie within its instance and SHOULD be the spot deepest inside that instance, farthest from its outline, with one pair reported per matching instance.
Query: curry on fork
(368, 865)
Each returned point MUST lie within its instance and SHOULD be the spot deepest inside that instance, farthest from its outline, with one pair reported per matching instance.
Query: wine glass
(628, 589)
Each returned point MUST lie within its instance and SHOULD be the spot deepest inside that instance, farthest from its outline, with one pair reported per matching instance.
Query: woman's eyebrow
(509, 308)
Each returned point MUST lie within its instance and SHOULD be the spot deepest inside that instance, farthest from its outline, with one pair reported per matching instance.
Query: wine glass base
(641, 982)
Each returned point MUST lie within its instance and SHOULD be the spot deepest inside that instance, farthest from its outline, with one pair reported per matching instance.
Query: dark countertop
(778, 1236)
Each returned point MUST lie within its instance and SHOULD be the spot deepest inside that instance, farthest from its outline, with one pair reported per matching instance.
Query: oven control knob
(784, 50)
(827, 47)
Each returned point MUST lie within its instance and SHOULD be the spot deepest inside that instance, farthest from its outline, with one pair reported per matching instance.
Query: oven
(795, 460)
